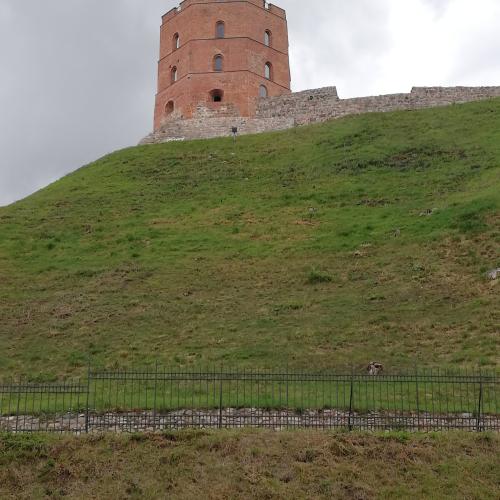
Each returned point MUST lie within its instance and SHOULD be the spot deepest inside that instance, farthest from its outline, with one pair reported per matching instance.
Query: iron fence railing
(160, 399)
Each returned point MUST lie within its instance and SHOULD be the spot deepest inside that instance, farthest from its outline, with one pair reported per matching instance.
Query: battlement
(273, 9)
(312, 106)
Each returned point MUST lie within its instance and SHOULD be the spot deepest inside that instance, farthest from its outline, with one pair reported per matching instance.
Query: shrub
(316, 277)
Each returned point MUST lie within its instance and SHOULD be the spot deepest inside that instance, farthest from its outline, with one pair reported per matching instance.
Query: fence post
(220, 399)
(18, 403)
(480, 404)
(87, 400)
(155, 396)
(350, 400)
(287, 396)
(418, 399)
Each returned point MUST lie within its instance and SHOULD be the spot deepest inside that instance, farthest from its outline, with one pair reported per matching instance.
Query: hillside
(250, 464)
(324, 246)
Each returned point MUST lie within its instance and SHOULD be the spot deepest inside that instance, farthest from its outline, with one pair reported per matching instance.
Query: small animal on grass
(494, 274)
(374, 368)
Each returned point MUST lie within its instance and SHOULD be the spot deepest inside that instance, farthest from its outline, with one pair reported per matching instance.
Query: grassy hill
(250, 464)
(362, 239)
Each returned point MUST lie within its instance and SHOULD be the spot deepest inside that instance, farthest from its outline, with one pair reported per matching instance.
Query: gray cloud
(78, 80)
(337, 44)
(78, 77)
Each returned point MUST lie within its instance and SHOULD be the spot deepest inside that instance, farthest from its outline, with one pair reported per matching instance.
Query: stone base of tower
(310, 106)
(208, 128)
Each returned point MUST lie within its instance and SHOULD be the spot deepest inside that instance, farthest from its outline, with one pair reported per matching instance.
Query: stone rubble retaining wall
(313, 106)
(208, 128)
(232, 418)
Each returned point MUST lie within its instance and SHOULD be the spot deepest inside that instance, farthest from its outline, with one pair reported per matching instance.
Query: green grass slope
(325, 246)
(250, 464)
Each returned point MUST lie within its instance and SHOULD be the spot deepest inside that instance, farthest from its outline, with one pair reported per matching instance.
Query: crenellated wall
(311, 106)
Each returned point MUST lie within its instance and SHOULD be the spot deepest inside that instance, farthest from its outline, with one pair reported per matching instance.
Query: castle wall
(311, 106)
(324, 104)
(304, 107)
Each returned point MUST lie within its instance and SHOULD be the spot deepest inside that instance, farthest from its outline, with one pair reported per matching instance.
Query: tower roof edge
(274, 9)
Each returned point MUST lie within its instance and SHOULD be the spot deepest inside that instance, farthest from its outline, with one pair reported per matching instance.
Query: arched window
(268, 71)
(216, 95)
(220, 29)
(174, 74)
(267, 38)
(263, 91)
(218, 63)
(176, 42)
(169, 107)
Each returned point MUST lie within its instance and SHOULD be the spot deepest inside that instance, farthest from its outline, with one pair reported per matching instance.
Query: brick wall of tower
(243, 50)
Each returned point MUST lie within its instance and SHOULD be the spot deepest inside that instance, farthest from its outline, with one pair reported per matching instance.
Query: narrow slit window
(267, 38)
(176, 42)
(174, 75)
(220, 29)
(268, 71)
(218, 63)
(263, 91)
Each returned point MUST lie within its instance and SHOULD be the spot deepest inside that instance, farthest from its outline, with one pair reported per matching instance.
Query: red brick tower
(219, 56)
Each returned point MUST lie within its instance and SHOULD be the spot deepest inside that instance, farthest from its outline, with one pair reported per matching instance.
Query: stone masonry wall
(208, 128)
(324, 104)
(312, 106)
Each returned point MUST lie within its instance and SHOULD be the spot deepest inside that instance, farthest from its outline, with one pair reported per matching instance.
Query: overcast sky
(78, 77)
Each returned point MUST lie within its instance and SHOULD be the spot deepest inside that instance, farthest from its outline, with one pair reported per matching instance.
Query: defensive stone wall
(305, 107)
(312, 106)
(324, 104)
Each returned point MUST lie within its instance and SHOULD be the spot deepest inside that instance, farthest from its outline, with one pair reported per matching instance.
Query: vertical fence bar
(26, 389)
(417, 398)
(228, 388)
(155, 396)
(495, 396)
(350, 400)
(250, 380)
(287, 396)
(18, 403)
(87, 400)
(258, 413)
(480, 403)
(220, 399)
(9, 404)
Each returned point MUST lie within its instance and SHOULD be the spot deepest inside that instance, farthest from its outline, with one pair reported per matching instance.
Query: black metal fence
(159, 399)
